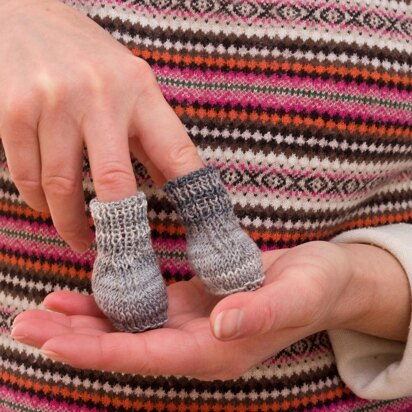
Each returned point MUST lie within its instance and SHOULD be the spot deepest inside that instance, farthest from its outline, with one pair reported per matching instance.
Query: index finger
(162, 136)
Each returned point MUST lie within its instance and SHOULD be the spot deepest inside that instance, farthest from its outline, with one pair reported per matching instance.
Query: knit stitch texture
(223, 256)
(126, 281)
(305, 108)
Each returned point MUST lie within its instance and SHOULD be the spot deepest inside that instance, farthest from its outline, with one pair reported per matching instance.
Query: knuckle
(51, 86)
(25, 183)
(143, 365)
(111, 175)
(143, 77)
(59, 185)
(18, 108)
(312, 290)
(30, 189)
(69, 230)
(316, 290)
(268, 317)
(93, 77)
(142, 68)
(179, 156)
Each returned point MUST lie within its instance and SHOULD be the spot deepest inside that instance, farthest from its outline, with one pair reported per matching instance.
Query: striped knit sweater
(305, 108)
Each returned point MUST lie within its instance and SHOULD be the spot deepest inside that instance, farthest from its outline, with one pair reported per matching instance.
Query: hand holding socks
(221, 253)
(127, 284)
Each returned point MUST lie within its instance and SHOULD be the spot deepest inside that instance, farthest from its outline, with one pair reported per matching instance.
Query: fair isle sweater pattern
(305, 109)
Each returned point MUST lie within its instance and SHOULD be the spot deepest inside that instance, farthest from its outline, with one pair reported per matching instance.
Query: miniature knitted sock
(126, 281)
(221, 253)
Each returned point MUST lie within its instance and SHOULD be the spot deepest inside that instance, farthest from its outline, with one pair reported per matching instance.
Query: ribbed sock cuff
(121, 226)
(199, 196)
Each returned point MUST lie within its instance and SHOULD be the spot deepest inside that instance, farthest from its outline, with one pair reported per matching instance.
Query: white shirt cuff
(372, 367)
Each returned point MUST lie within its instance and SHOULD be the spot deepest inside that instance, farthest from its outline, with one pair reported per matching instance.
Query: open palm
(294, 302)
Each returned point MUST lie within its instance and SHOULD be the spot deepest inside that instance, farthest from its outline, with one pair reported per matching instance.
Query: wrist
(376, 299)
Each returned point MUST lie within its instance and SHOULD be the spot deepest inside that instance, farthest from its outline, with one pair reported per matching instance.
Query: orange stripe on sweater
(296, 120)
(45, 267)
(106, 400)
(263, 64)
(23, 211)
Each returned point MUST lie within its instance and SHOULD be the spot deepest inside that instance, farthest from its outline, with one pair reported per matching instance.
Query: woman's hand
(66, 83)
(309, 288)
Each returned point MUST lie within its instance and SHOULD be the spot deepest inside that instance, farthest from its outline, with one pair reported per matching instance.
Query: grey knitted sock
(221, 253)
(126, 281)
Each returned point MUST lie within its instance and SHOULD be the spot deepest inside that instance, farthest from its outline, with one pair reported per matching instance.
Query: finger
(61, 151)
(22, 151)
(72, 303)
(74, 321)
(156, 352)
(161, 134)
(109, 155)
(137, 149)
(38, 331)
(278, 305)
(124, 352)
(39, 314)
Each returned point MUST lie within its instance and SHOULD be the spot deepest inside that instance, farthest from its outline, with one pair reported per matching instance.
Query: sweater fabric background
(305, 108)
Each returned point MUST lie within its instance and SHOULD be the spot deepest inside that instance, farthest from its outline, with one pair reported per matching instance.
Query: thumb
(247, 314)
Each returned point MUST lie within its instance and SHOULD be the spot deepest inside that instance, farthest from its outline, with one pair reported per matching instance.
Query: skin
(90, 93)
(93, 93)
(309, 288)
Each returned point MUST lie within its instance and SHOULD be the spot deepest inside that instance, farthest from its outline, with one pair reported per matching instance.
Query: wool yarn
(126, 282)
(223, 256)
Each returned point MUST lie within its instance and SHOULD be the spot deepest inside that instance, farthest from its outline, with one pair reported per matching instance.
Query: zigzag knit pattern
(221, 253)
(305, 109)
(127, 284)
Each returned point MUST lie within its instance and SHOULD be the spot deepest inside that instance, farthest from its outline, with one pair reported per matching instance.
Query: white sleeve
(372, 367)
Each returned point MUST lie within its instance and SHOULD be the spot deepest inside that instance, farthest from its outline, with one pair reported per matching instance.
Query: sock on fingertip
(126, 282)
(223, 256)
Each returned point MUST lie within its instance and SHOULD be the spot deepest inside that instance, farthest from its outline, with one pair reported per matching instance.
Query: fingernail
(17, 337)
(53, 355)
(228, 324)
(23, 339)
(80, 247)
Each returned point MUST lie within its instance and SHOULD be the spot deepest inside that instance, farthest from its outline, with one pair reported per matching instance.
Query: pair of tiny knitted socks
(126, 281)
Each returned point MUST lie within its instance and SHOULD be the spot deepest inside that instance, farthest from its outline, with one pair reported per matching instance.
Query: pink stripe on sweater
(38, 249)
(178, 245)
(285, 80)
(289, 103)
(174, 268)
(43, 405)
